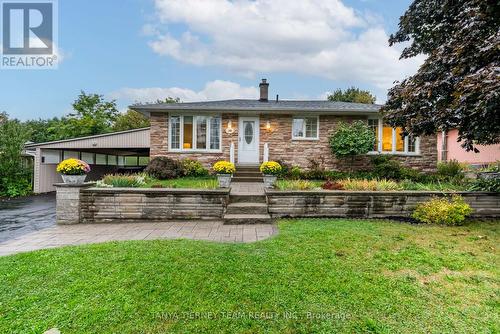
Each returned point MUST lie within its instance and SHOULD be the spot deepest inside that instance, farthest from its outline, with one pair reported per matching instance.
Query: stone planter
(74, 179)
(269, 181)
(224, 180)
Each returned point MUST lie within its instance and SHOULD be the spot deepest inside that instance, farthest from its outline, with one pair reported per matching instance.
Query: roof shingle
(256, 105)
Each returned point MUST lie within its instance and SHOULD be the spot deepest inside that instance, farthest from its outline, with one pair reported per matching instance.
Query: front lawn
(315, 276)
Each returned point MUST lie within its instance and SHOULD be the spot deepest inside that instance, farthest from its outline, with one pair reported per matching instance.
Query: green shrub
(163, 168)
(14, 177)
(285, 169)
(493, 167)
(450, 170)
(387, 168)
(443, 211)
(124, 181)
(15, 187)
(350, 140)
(482, 184)
(316, 169)
(295, 173)
(381, 159)
(412, 174)
(193, 168)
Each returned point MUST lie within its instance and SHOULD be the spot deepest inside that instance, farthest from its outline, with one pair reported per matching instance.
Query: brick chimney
(264, 90)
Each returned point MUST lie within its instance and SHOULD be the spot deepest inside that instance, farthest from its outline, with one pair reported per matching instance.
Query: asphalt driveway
(24, 215)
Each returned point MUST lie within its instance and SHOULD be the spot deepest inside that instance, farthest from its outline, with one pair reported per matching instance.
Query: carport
(117, 152)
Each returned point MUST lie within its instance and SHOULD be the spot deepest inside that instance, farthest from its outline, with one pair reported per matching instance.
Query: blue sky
(140, 50)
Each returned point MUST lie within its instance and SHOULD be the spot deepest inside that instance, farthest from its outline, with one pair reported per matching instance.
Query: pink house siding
(487, 154)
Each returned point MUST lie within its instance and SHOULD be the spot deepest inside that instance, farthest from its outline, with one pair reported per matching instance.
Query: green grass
(353, 276)
(184, 182)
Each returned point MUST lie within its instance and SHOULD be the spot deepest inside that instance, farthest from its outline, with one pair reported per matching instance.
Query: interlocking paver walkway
(64, 235)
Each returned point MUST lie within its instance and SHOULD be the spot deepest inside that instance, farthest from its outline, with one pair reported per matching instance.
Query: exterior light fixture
(229, 128)
(268, 126)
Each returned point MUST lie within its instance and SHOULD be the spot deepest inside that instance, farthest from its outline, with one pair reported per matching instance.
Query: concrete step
(247, 198)
(247, 168)
(230, 219)
(247, 208)
(247, 174)
(247, 179)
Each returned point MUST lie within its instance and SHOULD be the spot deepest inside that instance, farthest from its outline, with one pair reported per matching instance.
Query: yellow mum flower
(73, 167)
(224, 167)
(270, 168)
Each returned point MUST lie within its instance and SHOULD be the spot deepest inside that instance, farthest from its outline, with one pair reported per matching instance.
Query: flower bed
(368, 185)
(145, 181)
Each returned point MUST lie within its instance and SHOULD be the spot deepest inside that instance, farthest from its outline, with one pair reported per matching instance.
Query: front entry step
(247, 208)
(247, 219)
(247, 198)
(248, 174)
(247, 179)
(247, 204)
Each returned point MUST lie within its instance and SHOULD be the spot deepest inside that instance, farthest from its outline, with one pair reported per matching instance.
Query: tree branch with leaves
(458, 86)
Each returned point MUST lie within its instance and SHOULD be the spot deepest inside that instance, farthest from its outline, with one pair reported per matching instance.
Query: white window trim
(304, 117)
(394, 152)
(181, 134)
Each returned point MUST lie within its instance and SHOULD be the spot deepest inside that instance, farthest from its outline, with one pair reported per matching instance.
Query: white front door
(248, 140)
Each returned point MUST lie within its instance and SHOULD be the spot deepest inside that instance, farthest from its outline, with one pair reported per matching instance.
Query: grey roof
(256, 105)
(76, 139)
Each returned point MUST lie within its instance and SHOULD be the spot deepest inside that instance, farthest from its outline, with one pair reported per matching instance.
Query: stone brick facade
(283, 148)
(159, 141)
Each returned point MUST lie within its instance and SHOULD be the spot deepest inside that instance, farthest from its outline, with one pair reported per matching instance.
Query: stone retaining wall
(102, 205)
(368, 204)
(84, 204)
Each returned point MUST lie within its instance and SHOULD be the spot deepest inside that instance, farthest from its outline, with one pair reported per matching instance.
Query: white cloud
(324, 38)
(213, 90)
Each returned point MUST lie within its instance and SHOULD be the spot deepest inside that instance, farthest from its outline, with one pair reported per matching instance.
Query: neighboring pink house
(450, 149)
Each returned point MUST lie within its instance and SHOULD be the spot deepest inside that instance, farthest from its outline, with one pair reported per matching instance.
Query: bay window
(389, 139)
(305, 127)
(197, 133)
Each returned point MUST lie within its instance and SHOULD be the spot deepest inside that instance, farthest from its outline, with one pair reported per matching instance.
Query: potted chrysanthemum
(224, 170)
(271, 170)
(73, 171)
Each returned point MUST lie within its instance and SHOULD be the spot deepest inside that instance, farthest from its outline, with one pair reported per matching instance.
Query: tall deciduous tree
(130, 120)
(134, 120)
(14, 180)
(93, 115)
(458, 85)
(44, 130)
(352, 94)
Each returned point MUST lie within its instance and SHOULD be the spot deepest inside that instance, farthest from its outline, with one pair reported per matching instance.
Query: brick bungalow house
(252, 131)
